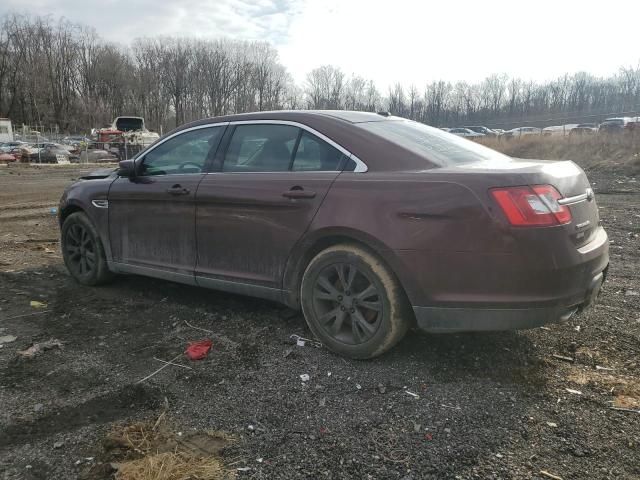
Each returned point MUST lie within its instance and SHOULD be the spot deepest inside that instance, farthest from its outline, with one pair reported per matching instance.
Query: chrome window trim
(361, 167)
(144, 153)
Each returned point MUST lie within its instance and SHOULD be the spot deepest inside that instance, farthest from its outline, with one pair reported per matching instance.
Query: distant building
(6, 133)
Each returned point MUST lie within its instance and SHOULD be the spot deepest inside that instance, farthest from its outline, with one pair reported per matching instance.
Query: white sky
(410, 41)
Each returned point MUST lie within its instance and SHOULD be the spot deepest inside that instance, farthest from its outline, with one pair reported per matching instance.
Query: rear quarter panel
(416, 215)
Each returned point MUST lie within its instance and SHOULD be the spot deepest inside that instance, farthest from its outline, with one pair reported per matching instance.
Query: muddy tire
(83, 252)
(353, 303)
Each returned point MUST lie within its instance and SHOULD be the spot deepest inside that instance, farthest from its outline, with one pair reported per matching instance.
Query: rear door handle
(178, 190)
(298, 193)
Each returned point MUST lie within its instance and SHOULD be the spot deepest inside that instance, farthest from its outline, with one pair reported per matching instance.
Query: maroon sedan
(368, 223)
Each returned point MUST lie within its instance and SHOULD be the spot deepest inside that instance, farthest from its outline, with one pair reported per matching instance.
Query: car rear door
(152, 215)
(250, 213)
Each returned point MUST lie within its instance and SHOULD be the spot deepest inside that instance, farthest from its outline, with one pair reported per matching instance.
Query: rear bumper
(454, 319)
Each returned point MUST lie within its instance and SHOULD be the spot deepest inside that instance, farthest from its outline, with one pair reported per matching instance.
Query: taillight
(532, 206)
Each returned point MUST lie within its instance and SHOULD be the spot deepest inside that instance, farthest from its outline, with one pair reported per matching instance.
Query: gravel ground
(497, 405)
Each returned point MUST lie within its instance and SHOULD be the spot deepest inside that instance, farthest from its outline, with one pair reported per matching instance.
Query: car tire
(353, 302)
(83, 252)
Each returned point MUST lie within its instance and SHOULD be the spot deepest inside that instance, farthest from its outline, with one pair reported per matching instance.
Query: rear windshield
(128, 124)
(439, 147)
(614, 121)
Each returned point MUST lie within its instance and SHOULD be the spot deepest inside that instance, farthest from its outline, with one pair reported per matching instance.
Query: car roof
(342, 127)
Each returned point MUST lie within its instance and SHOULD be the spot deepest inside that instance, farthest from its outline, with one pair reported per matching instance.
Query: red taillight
(532, 206)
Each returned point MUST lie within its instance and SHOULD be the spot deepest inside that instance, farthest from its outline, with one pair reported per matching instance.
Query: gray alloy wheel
(353, 303)
(83, 252)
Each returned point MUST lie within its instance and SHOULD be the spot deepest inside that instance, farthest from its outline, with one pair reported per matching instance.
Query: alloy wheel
(347, 303)
(80, 249)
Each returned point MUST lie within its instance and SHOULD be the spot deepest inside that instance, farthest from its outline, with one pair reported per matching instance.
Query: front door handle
(298, 193)
(177, 189)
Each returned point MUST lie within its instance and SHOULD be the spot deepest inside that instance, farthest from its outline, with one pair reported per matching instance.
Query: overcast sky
(412, 41)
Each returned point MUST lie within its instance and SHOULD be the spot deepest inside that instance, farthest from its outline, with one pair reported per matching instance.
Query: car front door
(152, 214)
(251, 212)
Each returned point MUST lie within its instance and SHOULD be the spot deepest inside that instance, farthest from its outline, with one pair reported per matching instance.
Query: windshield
(437, 146)
(127, 124)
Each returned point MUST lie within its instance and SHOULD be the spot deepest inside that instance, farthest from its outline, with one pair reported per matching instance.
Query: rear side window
(314, 154)
(436, 146)
(261, 148)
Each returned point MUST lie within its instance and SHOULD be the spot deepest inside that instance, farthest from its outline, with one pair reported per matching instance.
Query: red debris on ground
(199, 350)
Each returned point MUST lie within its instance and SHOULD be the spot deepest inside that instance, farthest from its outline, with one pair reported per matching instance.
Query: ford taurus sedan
(368, 223)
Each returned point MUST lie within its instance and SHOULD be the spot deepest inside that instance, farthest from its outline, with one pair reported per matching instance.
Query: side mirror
(127, 168)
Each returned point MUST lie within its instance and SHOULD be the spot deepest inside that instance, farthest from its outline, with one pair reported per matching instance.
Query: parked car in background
(558, 130)
(7, 157)
(49, 153)
(465, 132)
(522, 132)
(367, 223)
(76, 141)
(8, 146)
(17, 153)
(584, 129)
(499, 131)
(614, 125)
(483, 130)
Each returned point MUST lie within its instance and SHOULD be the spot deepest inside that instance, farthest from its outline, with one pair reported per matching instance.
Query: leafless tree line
(56, 72)
(53, 72)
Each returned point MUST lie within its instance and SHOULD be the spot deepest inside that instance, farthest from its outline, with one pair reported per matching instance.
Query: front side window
(314, 154)
(182, 154)
(261, 148)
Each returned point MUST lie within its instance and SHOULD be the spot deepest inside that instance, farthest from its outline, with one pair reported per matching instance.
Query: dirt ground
(496, 405)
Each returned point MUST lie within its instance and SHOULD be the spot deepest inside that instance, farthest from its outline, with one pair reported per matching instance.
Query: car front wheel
(353, 303)
(83, 252)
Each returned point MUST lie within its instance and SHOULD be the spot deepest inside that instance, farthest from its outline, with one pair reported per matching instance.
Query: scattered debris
(381, 388)
(198, 328)
(358, 386)
(37, 304)
(552, 424)
(631, 293)
(301, 341)
(199, 350)
(172, 363)
(37, 348)
(575, 392)
(544, 473)
(160, 369)
(630, 410)
(58, 445)
(305, 377)
(564, 358)
(243, 469)
(8, 339)
(598, 367)
(414, 395)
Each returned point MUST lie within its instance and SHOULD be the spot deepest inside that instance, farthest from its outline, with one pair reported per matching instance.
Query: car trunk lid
(565, 176)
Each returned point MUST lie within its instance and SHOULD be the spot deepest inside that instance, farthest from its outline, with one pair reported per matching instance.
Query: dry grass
(173, 466)
(626, 391)
(620, 152)
(153, 451)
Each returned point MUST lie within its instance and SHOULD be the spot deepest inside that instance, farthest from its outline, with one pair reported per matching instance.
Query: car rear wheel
(353, 303)
(83, 252)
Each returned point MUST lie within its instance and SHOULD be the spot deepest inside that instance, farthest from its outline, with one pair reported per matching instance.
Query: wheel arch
(314, 243)
(68, 210)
